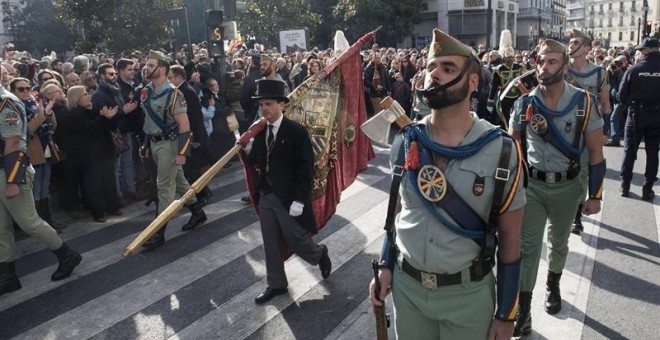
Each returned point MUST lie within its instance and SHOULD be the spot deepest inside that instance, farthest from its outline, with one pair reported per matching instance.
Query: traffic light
(214, 20)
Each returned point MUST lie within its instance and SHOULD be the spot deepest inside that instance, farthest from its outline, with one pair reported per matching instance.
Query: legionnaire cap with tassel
(158, 55)
(550, 46)
(506, 44)
(444, 44)
(579, 34)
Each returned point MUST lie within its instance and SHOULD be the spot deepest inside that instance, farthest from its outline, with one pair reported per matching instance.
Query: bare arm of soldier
(12, 144)
(604, 101)
(181, 119)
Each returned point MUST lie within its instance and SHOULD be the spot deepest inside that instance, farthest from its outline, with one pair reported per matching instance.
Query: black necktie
(271, 137)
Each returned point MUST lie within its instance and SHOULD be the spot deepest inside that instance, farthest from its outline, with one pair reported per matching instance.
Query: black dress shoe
(269, 294)
(324, 264)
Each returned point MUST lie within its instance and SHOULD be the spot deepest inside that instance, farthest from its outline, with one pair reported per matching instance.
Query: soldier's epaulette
(10, 102)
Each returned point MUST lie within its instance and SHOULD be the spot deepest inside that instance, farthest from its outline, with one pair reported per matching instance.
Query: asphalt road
(201, 284)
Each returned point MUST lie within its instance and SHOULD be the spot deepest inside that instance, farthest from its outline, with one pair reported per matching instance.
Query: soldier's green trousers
(555, 205)
(170, 179)
(21, 209)
(461, 311)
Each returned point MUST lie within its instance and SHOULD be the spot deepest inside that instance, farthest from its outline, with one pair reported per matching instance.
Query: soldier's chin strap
(596, 178)
(15, 165)
(185, 139)
(508, 280)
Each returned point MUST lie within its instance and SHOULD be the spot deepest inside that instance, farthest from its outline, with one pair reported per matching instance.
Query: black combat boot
(8, 279)
(203, 196)
(625, 188)
(68, 259)
(523, 324)
(552, 294)
(577, 223)
(48, 216)
(157, 240)
(647, 192)
(197, 217)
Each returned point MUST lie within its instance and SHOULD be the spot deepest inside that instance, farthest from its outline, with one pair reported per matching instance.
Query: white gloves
(296, 209)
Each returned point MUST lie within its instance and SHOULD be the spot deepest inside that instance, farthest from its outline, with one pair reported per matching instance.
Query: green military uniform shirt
(544, 156)
(422, 240)
(13, 122)
(160, 102)
(594, 82)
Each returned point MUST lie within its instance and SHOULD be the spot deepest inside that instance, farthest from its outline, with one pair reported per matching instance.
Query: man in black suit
(197, 160)
(283, 158)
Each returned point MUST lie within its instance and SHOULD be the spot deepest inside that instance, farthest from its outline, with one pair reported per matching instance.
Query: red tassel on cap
(412, 158)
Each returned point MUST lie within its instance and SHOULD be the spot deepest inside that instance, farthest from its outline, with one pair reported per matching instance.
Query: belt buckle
(429, 281)
(550, 177)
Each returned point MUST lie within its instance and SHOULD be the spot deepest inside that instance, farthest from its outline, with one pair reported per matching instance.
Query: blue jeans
(617, 121)
(41, 182)
(125, 169)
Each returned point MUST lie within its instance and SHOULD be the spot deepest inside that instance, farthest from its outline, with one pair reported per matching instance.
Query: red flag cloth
(353, 147)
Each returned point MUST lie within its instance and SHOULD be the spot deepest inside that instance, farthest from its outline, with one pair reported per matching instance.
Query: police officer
(168, 133)
(441, 279)
(639, 92)
(17, 202)
(554, 123)
(591, 77)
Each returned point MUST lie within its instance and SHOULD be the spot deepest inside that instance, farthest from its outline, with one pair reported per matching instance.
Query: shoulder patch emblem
(11, 118)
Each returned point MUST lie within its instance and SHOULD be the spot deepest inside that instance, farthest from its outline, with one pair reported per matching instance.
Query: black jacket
(194, 111)
(106, 96)
(641, 81)
(88, 133)
(291, 168)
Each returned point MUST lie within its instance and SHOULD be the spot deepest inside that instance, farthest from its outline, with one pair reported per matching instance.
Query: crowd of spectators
(80, 108)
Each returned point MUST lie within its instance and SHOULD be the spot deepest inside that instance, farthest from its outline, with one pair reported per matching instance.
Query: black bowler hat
(271, 89)
(648, 42)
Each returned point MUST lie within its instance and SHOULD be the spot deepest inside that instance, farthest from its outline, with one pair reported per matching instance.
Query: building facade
(620, 22)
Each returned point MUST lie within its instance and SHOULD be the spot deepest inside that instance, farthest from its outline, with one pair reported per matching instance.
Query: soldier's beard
(553, 79)
(439, 97)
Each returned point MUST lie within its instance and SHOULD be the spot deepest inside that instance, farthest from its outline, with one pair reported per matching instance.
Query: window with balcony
(621, 21)
(620, 36)
(632, 35)
(633, 7)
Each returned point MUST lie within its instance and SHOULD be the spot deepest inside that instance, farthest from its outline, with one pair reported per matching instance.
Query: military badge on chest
(143, 94)
(539, 124)
(432, 183)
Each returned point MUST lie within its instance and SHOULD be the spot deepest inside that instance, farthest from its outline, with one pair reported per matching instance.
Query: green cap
(549, 46)
(444, 44)
(158, 55)
(579, 34)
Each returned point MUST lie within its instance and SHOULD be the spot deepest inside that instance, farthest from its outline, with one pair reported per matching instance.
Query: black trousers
(99, 187)
(641, 126)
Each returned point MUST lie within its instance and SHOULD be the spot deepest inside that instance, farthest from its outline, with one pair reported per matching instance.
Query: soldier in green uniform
(555, 123)
(16, 201)
(169, 138)
(438, 261)
(593, 78)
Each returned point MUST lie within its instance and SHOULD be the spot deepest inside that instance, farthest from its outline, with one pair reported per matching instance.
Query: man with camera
(615, 72)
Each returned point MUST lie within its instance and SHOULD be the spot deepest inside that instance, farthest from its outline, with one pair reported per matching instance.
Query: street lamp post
(646, 13)
(639, 28)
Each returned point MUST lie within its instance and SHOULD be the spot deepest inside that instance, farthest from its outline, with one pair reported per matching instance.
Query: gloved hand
(296, 209)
